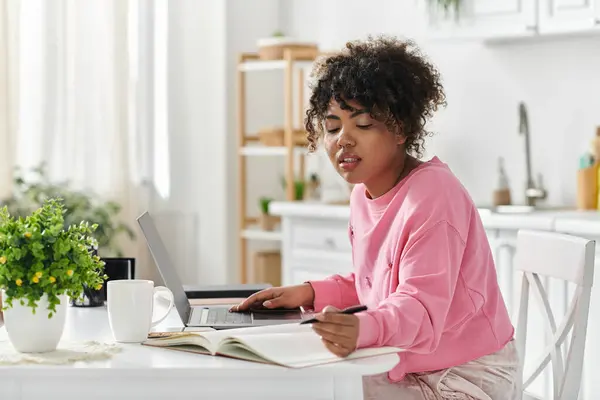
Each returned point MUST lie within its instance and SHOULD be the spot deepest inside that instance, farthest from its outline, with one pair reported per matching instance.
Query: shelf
(258, 234)
(268, 65)
(269, 150)
(292, 69)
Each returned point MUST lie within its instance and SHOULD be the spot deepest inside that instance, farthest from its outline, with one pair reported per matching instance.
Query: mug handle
(171, 298)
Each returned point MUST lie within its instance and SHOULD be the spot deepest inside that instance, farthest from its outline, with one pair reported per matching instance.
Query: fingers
(336, 318)
(258, 297)
(335, 349)
(340, 340)
(276, 301)
(335, 330)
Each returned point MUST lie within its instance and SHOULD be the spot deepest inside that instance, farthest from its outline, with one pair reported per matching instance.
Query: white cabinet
(314, 248)
(487, 19)
(503, 243)
(509, 19)
(502, 17)
(560, 16)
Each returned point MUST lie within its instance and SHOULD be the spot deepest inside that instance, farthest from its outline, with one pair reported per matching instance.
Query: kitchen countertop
(309, 209)
(566, 220)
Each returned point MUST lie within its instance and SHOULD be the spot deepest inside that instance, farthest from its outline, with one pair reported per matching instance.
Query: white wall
(246, 23)
(205, 39)
(198, 128)
(558, 80)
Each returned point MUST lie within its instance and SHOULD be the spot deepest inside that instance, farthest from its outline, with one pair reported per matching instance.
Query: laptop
(206, 316)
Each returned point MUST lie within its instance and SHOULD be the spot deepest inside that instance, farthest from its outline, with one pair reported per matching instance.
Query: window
(161, 162)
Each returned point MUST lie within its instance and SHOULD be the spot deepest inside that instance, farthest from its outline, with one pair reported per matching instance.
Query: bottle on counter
(502, 192)
(587, 178)
(596, 166)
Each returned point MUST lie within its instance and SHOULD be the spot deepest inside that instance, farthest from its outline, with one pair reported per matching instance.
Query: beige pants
(492, 377)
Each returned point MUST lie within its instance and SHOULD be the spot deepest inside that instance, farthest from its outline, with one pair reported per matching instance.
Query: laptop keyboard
(222, 315)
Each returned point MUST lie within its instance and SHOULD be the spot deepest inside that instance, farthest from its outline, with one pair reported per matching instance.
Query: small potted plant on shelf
(267, 221)
(42, 264)
(299, 188)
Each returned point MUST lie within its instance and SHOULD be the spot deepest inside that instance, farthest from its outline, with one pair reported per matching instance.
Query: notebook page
(297, 349)
(218, 335)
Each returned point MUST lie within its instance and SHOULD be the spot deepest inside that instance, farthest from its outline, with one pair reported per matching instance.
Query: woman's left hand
(339, 332)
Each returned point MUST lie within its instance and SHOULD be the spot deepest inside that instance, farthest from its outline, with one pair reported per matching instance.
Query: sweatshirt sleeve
(338, 291)
(413, 317)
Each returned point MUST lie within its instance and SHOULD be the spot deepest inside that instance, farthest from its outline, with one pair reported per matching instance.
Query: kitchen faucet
(532, 193)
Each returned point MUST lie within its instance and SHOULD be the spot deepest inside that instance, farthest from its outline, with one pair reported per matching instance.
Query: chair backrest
(568, 258)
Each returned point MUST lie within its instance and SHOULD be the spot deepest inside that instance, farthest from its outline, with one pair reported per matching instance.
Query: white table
(141, 372)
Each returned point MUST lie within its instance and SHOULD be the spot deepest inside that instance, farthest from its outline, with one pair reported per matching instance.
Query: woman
(422, 261)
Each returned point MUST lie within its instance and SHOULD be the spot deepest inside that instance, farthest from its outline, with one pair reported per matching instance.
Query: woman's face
(362, 149)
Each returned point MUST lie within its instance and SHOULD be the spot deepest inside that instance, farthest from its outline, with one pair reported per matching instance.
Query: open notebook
(288, 345)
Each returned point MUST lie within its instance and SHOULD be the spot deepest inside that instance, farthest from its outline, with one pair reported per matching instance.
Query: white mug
(130, 304)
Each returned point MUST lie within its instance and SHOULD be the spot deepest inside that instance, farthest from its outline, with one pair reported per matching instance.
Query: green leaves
(264, 204)
(38, 256)
(448, 6)
(77, 206)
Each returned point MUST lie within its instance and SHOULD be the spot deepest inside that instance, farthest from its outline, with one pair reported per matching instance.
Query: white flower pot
(35, 333)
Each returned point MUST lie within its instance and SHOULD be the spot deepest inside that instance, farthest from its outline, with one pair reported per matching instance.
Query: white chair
(568, 258)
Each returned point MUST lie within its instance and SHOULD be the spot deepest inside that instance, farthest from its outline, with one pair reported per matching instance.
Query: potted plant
(42, 264)
(33, 187)
(299, 188)
(267, 222)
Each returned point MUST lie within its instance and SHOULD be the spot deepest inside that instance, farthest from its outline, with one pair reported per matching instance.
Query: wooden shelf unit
(294, 61)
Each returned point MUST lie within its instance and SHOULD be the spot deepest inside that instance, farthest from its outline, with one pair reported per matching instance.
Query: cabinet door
(503, 246)
(563, 16)
(488, 19)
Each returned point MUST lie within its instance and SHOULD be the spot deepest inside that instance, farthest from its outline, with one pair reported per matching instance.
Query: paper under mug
(131, 304)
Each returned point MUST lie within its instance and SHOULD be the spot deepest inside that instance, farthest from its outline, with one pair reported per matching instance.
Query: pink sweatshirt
(423, 266)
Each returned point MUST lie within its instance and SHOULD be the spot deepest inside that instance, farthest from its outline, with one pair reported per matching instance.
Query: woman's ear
(400, 139)
(400, 136)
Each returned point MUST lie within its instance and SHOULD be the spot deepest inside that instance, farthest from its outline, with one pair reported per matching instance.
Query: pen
(349, 310)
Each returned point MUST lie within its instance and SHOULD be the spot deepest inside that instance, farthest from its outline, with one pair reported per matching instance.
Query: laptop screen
(163, 263)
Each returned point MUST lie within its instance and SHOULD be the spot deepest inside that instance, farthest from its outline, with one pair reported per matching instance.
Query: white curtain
(81, 111)
(9, 69)
(84, 88)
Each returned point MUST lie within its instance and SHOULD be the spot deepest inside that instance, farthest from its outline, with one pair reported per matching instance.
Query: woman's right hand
(280, 297)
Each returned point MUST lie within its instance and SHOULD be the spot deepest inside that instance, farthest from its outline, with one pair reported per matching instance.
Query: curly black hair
(387, 76)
